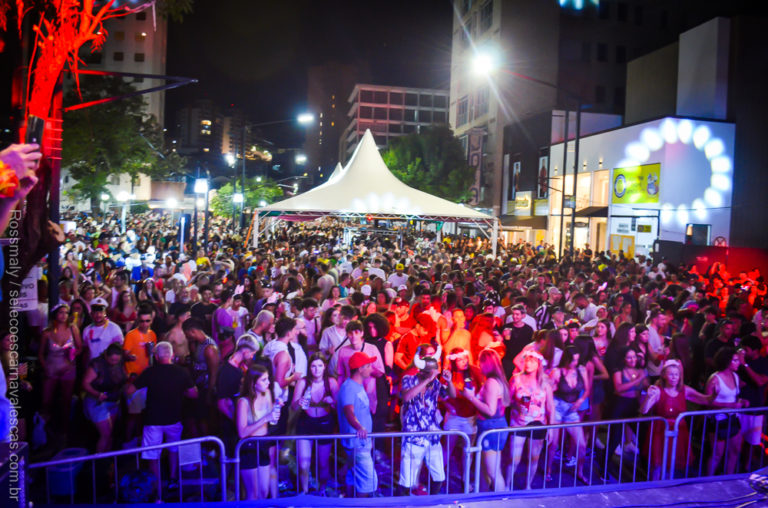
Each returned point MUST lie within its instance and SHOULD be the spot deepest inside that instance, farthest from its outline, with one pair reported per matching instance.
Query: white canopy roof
(366, 186)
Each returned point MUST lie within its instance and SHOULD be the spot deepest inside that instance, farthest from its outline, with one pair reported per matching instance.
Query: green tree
(112, 138)
(432, 161)
(256, 191)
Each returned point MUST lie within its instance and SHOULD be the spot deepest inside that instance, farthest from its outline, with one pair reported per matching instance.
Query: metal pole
(205, 223)
(242, 181)
(194, 239)
(575, 177)
(562, 194)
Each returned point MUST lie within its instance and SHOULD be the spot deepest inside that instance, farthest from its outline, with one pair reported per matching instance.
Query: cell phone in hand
(35, 127)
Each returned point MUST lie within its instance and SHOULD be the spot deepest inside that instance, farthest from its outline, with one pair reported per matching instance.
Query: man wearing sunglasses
(138, 346)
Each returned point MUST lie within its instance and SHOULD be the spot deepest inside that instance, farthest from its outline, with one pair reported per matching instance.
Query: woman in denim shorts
(491, 402)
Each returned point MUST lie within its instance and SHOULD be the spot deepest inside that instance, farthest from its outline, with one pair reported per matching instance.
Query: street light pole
(242, 181)
(575, 177)
(562, 193)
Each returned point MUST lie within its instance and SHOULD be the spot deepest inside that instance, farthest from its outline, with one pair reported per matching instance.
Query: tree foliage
(432, 161)
(255, 192)
(113, 138)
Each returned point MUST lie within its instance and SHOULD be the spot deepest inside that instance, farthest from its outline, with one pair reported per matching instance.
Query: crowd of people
(309, 336)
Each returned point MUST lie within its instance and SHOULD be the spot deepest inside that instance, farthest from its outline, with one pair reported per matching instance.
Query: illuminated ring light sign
(671, 131)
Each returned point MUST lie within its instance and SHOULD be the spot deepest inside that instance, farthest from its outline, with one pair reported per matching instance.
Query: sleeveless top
(109, 379)
(726, 393)
(631, 393)
(567, 393)
(529, 404)
(499, 410)
(669, 407)
(199, 365)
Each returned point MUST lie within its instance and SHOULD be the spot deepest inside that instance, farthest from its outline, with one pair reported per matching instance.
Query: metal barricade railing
(700, 434)
(373, 445)
(189, 450)
(590, 458)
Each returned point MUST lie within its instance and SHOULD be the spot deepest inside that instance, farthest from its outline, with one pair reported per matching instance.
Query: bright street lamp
(237, 198)
(305, 118)
(230, 159)
(262, 203)
(200, 202)
(171, 203)
(123, 196)
(258, 179)
(485, 63)
(201, 186)
(104, 196)
(301, 159)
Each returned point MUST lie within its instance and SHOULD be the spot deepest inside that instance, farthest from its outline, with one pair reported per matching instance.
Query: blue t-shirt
(353, 393)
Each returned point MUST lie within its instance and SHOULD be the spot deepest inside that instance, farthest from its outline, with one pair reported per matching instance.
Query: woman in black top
(103, 384)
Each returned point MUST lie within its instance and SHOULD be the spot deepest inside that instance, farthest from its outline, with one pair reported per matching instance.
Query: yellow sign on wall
(636, 184)
(622, 243)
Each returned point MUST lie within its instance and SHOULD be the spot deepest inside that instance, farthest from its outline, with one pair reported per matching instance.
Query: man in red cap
(422, 333)
(354, 410)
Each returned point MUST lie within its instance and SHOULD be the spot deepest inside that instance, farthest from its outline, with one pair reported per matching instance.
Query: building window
(602, 52)
(411, 99)
(93, 58)
(440, 101)
(138, 80)
(66, 179)
(462, 110)
(409, 128)
(396, 114)
(586, 51)
(618, 97)
(481, 107)
(621, 12)
(410, 115)
(118, 56)
(114, 180)
(425, 101)
(466, 5)
(664, 19)
(141, 36)
(638, 15)
(396, 98)
(604, 10)
(366, 112)
(141, 16)
(138, 57)
(395, 128)
(119, 36)
(599, 94)
(438, 117)
(380, 113)
(366, 96)
(486, 16)
(621, 54)
(380, 97)
(425, 116)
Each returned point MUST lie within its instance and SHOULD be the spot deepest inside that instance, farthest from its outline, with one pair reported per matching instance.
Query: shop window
(462, 111)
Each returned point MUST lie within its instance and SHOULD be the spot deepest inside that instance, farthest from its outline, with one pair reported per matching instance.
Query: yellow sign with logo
(636, 184)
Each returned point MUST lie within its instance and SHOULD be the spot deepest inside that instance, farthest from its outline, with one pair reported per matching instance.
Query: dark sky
(255, 54)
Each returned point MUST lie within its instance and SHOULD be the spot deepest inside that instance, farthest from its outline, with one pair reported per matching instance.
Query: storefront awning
(534, 222)
(593, 211)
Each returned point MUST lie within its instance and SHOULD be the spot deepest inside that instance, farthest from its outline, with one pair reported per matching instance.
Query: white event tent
(366, 187)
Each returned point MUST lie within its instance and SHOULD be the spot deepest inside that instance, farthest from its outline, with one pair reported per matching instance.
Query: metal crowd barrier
(693, 432)
(702, 427)
(388, 452)
(597, 459)
(67, 481)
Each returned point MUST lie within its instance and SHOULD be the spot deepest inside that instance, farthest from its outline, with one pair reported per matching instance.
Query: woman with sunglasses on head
(532, 406)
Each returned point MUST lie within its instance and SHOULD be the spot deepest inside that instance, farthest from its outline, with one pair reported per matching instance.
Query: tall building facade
(390, 112)
(136, 43)
(504, 118)
(328, 86)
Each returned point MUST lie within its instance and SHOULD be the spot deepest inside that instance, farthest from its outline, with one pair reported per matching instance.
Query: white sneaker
(618, 451)
(599, 444)
(571, 462)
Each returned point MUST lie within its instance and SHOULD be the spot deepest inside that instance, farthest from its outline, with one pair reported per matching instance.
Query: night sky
(255, 54)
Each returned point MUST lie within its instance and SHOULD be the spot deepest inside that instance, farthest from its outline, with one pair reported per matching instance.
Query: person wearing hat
(101, 332)
(354, 412)
(398, 278)
(228, 380)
